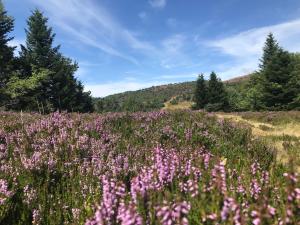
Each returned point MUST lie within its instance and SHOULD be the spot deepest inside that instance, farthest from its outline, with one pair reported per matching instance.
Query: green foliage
(17, 87)
(174, 101)
(41, 78)
(270, 49)
(61, 91)
(148, 99)
(254, 95)
(6, 52)
(274, 87)
(294, 83)
(217, 95)
(276, 77)
(39, 50)
(201, 95)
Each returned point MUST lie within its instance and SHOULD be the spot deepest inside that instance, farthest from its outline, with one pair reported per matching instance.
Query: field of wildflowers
(183, 167)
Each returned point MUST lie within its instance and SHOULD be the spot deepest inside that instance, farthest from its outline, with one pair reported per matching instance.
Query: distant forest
(41, 78)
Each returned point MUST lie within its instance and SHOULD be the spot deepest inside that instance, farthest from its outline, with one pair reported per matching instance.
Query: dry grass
(258, 128)
(180, 105)
(278, 136)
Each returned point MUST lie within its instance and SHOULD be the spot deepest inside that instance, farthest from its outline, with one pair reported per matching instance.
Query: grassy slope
(159, 96)
(280, 130)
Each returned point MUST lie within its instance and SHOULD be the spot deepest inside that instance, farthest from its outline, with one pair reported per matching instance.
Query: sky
(123, 45)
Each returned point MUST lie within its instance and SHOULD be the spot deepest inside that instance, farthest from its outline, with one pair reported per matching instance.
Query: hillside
(157, 97)
(239, 79)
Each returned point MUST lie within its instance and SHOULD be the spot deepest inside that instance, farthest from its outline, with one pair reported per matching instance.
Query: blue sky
(125, 45)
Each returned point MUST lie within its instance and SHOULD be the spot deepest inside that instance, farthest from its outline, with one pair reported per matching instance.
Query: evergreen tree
(276, 77)
(217, 95)
(270, 49)
(213, 92)
(61, 90)
(201, 93)
(270, 88)
(294, 84)
(6, 52)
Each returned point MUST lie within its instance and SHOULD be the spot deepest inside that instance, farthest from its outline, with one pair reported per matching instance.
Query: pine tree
(61, 91)
(213, 92)
(277, 75)
(39, 50)
(272, 90)
(217, 95)
(294, 83)
(6, 52)
(270, 49)
(201, 93)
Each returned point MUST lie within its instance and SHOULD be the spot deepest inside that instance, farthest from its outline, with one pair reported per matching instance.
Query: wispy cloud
(94, 26)
(174, 52)
(160, 4)
(245, 48)
(250, 42)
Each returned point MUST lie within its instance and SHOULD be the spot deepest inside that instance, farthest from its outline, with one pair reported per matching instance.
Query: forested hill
(155, 97)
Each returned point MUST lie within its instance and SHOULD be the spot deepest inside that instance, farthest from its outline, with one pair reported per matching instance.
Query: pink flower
(175, 213)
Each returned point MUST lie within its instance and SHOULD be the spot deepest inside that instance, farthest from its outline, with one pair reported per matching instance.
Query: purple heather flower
(173, 213)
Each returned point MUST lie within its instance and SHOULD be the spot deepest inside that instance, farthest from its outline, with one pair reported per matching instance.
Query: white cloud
(245, 48)
(160, 4)
(250, 42)
(174, 52)
(174, 43)
(236, 69)
(94, 26)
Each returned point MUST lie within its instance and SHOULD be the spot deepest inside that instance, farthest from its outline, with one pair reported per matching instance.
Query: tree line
(41, 78)
(275, 86)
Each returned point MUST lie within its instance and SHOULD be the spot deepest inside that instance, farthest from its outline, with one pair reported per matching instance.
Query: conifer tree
(273, 79)
(61, 90)
(277, 75)
(217, 95)
(294, 83)
(213, 92)
(39, 50)
(270, 49)
(6, 52)
(201, 93)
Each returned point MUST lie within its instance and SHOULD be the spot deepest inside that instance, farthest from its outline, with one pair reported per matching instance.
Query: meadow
(163, 167)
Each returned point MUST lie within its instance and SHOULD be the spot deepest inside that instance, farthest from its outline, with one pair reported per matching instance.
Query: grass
(280, 130)
(179, 106)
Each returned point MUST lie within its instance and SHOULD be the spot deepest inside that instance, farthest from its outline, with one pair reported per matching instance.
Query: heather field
(180, 167)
